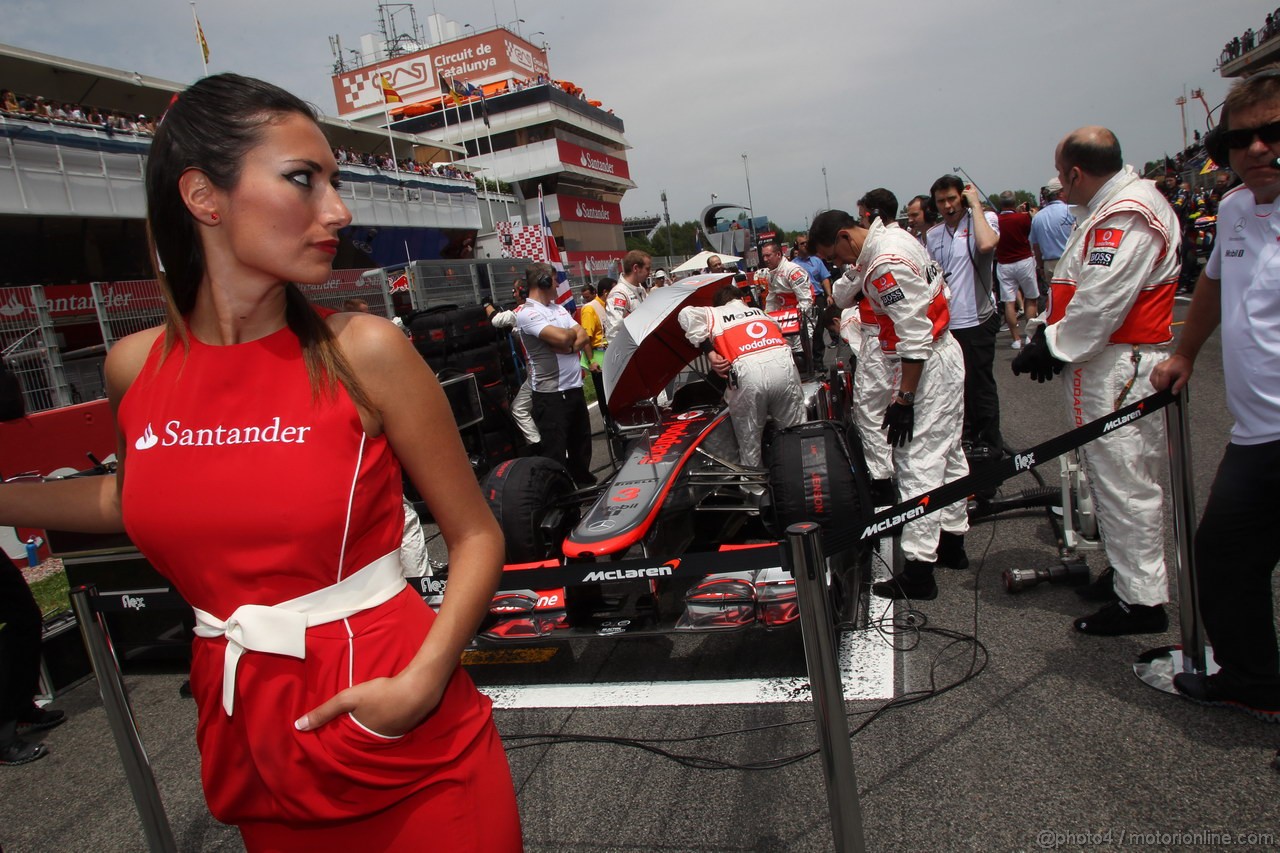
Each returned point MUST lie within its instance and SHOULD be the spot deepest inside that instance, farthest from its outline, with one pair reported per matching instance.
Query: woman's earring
(214, 217)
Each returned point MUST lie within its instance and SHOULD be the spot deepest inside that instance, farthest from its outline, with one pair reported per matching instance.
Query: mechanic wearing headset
(763, 381)
(1239, 288)
(924, 421)
(553, 342)
(1111, 320)
(922, 215)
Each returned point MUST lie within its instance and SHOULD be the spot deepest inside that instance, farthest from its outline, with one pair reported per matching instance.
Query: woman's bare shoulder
(370, 342)
(126, 358)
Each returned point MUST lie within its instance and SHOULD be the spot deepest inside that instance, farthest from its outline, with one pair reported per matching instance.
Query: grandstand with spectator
(493, 93)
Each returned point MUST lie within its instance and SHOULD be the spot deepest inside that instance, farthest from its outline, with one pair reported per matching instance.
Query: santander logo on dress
(177, 435)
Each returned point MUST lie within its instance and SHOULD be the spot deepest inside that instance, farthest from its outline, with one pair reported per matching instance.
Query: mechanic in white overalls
(924, 419)
(874, 376)
(763, 380)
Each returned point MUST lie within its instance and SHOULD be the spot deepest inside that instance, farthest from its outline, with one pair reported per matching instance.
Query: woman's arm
(411, 409)
(83, 504)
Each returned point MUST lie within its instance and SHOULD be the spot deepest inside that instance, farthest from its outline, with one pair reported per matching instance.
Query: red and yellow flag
(389, 94)
(204, 45)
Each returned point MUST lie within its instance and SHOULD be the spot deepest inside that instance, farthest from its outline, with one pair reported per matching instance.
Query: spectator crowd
(383, 162)
(1251, 38)
(38, 108)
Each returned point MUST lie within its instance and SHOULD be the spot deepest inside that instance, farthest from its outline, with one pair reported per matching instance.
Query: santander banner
(594, 262)
(575, 209)
(593, 161)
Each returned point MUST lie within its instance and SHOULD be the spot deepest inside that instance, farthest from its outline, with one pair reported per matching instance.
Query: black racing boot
(39, 719)
(951, 551)
(915, 582)
(15, 750)
(1101, 590)
(1223, 691)
(1119, 618)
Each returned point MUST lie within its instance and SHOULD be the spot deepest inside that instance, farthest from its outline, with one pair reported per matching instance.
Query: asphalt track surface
(1054, 745)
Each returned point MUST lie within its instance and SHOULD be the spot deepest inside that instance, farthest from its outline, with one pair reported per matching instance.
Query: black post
(803, 557)
(137, 767)
(1158, 666)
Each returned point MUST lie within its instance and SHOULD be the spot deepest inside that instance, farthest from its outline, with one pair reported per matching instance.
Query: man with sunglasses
(1239, 288)
(1110, 322)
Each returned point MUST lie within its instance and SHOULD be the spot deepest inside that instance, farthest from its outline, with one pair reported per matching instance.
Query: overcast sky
(892, 96)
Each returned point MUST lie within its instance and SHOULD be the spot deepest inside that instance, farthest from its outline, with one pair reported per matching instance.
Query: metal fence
(29, 347)
(33, 326)
(125, 307)
(347, 286)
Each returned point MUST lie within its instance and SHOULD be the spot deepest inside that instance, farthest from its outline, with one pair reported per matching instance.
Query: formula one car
(680, 537)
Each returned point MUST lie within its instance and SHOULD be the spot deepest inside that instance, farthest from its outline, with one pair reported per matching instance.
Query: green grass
(51, 594)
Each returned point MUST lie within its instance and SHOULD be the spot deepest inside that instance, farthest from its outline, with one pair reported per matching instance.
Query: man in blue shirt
(1051, 227)
(820, 278)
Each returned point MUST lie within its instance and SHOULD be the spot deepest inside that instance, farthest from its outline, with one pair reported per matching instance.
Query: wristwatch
(907, 398)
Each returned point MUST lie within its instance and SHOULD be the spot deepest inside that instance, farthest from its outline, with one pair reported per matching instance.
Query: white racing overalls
(764, 382)
(1110, 318)
(622, 300)
(874, 376)
(907, 294)
(522, 402)
(790, 287)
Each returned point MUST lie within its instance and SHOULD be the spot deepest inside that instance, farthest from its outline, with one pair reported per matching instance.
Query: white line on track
(866, 668)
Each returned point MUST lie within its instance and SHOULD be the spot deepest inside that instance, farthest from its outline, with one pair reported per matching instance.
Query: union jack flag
(551, 255)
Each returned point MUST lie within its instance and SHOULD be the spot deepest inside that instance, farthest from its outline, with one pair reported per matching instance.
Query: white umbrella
(650, 349)
(699, 261)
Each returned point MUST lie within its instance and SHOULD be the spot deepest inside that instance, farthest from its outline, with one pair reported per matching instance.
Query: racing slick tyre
(814, 476)
(524, 494)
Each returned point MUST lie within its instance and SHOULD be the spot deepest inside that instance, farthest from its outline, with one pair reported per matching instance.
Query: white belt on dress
(282, 628)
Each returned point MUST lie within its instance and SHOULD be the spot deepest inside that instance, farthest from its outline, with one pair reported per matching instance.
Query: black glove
(1036, 359)
(900, 420)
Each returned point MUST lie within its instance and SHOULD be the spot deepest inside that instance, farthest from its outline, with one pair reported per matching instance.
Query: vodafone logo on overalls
(757, 329)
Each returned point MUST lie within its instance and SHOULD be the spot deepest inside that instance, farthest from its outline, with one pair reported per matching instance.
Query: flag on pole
(446, 88)
(389, 94)
(551, 255)
(204, 45)
(478, 91)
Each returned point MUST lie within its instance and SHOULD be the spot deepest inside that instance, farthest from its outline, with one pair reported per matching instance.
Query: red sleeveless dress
(242, 488)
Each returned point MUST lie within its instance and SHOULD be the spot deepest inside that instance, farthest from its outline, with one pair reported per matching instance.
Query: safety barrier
(115, 701)
(803, 557)
(29, 347)
(345, 285)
